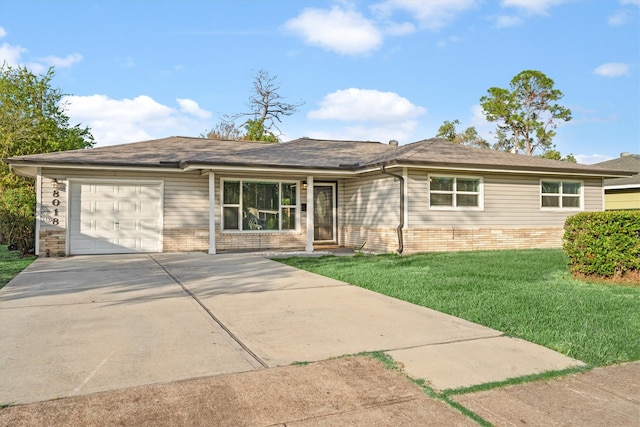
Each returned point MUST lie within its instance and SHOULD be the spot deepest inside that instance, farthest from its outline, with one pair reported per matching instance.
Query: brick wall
(453, 239)
(185, 239)
(54, 241)
(248, 240)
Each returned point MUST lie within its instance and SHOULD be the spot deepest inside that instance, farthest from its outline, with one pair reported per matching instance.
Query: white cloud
(368, 114)
(189, 106)
(432, 14)
(11, 54)
(402, 132)
(346, 32)
(535, 7)
(619, 18)
(397, 29)
(58, 62)
(3, 32)
(589, 159)
(508, 21)
(633, 2)
(613, 69)
(118, 121)
(365, 105)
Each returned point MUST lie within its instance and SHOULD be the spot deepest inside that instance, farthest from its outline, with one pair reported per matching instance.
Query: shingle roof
(182, 152)
(629, 162)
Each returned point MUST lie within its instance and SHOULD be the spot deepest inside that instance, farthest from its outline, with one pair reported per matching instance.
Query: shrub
(605, 244)
(17, 219)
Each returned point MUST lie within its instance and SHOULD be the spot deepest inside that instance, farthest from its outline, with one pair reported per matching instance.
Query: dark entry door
(324, 212)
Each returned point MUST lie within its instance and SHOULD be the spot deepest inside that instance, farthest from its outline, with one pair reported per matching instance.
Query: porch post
(39, 210)
(212, 213)
(309, 247)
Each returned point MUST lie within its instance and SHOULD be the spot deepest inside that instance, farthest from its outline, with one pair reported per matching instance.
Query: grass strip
(12, 263)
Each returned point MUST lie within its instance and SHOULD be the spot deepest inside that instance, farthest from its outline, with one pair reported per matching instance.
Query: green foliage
(526, 113)
(603, 243)
(469, 136)
(555, 155)
(17, 218)
(32, 121)
(257, 132)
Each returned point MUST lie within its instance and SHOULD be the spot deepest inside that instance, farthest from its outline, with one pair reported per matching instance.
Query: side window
(449, 192)
(560, 195)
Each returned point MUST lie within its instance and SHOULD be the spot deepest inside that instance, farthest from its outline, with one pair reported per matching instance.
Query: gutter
(401, 224)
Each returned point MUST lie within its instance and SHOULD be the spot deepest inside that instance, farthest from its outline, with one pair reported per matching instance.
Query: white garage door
(112, 218)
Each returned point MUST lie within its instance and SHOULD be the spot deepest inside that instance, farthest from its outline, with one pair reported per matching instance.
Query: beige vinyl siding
(186, 195)
(372, 200)
(510, 201)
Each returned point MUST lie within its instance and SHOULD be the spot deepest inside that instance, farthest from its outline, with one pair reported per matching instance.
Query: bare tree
(267, 105)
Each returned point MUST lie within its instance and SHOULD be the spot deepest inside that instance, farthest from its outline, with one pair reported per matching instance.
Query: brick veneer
(453, 239)
(185, 239)
(248, 240)
(53, 240)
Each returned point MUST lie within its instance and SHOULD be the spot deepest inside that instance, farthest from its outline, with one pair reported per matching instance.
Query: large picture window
(561, 194)
(259, 205)
(450, 192)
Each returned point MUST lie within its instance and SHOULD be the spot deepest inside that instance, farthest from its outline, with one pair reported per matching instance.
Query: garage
(115, 217)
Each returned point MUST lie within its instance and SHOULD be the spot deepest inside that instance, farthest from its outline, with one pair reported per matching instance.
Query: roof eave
(504, 168)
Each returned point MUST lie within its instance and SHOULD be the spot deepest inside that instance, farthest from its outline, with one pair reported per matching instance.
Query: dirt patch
(630, 278)
(346, 391)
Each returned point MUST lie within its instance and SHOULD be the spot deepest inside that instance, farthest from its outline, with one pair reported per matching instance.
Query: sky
(365, 70)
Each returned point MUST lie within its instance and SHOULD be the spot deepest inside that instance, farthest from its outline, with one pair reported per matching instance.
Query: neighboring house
(194, 194)
(622, 193)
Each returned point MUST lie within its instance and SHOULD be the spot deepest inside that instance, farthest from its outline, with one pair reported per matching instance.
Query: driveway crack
(210, 313)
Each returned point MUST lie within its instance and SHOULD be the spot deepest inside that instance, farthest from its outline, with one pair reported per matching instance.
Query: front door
(324, 212)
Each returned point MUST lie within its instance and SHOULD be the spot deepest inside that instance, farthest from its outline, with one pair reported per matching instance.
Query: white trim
(302, 171)
(560, 208)
(405, 176)
(334, 210)
(621, 187)
(38, 210)
(98, 167)
(258, 180)
(100, 181)
(454, 192)
(445, 169)
(212, 213)
(267, 170)
(309, 247)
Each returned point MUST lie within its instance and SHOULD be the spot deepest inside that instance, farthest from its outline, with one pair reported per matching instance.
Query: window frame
(454, 192)
(239, 206)
(561, 194)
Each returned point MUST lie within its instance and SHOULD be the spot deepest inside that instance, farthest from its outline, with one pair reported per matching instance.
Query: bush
(605, 244)
(17, 219)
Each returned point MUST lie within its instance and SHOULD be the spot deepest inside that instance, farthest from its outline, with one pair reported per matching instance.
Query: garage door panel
(115, 218)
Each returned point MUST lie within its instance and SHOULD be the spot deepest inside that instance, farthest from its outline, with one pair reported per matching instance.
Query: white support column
(309, 247)
(38, 209)
(405, 175)
(212, 213)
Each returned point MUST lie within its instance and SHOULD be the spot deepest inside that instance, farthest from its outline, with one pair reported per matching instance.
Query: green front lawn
(527, 294)
(11, 263)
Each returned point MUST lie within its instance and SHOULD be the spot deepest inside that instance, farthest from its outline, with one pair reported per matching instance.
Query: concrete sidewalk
(346, 391)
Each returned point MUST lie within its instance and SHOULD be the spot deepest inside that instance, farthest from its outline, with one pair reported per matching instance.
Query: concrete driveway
(83, 324)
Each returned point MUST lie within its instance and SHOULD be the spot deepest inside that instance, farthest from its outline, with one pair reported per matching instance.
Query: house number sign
(54, 220)
(55, 202)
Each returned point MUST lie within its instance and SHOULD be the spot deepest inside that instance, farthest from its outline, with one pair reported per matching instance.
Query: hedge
(605, 244)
